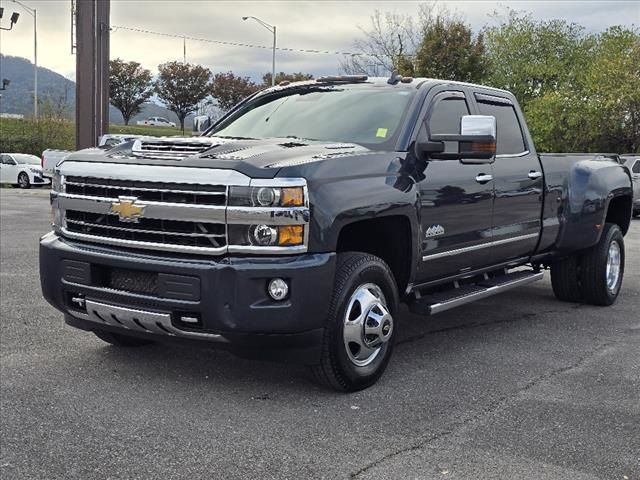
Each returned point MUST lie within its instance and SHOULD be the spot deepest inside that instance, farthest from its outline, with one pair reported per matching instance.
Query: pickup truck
(157, 122)
(51, 157)
(296, 225)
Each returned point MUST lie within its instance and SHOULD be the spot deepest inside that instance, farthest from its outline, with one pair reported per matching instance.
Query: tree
(450, 51)
(229, 89)
(578, 91)
(530, 58)
(129, 87)
(611, 91)
(288, 77)
(181, 86)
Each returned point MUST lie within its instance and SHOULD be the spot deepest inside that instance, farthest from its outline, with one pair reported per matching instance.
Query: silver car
(633, 162)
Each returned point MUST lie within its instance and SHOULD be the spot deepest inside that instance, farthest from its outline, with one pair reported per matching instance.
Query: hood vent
(170, 148)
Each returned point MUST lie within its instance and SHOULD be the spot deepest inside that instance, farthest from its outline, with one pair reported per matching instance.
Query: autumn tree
(288, 77)
(182, 86)
(130, 86)
(229, 89)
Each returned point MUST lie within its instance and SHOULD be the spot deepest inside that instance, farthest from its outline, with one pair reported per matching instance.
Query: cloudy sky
(321, 25)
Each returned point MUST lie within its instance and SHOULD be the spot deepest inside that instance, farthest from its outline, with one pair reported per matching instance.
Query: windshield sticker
(382, 133)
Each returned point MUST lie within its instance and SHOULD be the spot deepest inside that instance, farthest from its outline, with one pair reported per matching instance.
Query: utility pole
(92, 71)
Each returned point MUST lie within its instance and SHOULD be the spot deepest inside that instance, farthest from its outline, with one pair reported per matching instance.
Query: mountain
(53, 88)
(56, 92)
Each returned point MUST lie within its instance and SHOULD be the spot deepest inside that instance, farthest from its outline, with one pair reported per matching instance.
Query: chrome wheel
(613, 266)
(368, 325)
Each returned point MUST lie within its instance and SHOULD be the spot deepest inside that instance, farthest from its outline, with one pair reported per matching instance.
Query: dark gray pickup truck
(296, 225)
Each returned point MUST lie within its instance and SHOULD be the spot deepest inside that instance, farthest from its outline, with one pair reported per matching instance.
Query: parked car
(298, 238)
(157, 122)
(21, 169)
(633, 162)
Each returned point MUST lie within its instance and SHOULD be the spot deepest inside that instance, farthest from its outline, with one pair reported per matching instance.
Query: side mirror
(476, 142)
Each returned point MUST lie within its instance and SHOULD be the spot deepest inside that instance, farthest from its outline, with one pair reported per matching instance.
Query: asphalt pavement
(515, 386)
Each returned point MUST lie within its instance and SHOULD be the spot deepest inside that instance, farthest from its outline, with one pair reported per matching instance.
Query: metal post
(35, 63)
(85, 74)
(273, 61)
(272, 29)
(102, 67)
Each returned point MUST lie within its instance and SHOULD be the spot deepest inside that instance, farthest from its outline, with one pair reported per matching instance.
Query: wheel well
(386, 237)
(619, 212)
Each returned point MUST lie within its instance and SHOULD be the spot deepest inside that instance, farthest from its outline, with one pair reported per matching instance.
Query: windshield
(366, 115)
(27, 159)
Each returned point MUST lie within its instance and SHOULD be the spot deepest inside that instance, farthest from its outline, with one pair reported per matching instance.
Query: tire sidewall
(612, 234)
(378, 273)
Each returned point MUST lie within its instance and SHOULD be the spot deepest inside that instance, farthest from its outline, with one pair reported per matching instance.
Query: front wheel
(602, 268)
(358, 338)
(23, 180)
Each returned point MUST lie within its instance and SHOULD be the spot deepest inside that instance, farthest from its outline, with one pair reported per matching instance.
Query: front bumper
(149, 296)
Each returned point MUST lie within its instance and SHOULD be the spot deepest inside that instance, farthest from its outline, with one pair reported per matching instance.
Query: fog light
(278, 289)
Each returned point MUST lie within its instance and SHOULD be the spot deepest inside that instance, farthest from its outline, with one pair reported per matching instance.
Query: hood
(256, 158)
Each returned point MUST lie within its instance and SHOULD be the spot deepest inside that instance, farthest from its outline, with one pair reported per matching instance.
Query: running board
(439, 302)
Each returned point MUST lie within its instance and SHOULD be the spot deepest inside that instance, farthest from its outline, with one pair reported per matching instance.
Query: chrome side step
(440, 302)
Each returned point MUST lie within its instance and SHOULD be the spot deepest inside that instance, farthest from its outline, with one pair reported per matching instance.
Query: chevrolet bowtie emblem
(127, 210)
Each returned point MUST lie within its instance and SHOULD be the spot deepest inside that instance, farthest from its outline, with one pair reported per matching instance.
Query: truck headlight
(266, 235)
(266, 197)
(57, 183)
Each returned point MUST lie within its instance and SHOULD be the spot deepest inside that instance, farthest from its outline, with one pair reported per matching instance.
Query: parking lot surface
(515, 386)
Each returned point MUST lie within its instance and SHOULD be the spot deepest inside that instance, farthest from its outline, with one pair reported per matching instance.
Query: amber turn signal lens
(291, 235)
(292, 197)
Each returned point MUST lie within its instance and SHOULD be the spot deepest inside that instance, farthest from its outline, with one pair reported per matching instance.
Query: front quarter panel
(350, 189)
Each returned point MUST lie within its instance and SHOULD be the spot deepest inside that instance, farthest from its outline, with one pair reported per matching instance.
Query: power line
(231, 44)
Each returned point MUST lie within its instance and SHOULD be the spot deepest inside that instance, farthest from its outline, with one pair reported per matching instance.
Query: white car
(21, 169)
(157, 122)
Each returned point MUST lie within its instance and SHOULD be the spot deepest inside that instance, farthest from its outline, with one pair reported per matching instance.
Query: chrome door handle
(484, 178)
(533, 175)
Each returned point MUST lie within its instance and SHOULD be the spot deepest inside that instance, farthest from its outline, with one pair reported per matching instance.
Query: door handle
(484, 178)
(533, 175)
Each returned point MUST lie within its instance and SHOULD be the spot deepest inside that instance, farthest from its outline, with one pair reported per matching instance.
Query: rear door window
(510, 140)
(636, 167)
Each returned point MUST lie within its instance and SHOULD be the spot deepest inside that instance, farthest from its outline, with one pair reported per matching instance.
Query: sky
(321, 25)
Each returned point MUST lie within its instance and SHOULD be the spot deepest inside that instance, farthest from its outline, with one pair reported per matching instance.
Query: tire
(23, 181)
(603, 268)
(365, 298)
(121, 340)
(565, 279)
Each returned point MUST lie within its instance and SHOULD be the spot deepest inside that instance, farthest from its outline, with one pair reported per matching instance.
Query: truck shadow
(420, 340)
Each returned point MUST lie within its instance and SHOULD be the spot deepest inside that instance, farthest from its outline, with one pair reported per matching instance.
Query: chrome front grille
(169, 208)
(151, 230)
(148, 191)
(180, 213)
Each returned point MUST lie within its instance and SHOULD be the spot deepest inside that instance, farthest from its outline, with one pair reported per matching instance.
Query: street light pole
(272, 29)
(34, 14)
